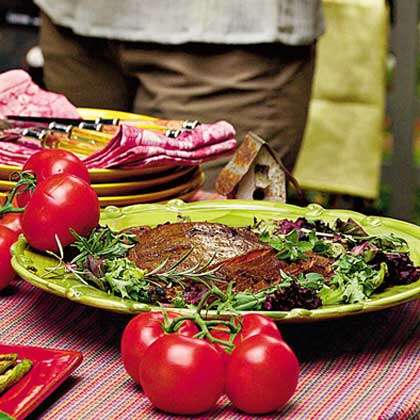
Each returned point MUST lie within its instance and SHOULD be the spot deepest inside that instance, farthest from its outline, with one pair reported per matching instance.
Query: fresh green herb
(292, 247)
(231, 300)
(313, 281)
(124, 278)
(389, 243)
(101, 261)
(354, 281)
(173, 274)
(102, 243)
(358, 264)
(288, 247)
(179, 301)
(244, 301)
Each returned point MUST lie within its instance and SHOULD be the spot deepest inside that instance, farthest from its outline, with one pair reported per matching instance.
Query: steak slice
(242, 257)
(253, 271)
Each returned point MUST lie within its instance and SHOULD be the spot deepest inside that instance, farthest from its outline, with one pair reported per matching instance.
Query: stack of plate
(120, 187)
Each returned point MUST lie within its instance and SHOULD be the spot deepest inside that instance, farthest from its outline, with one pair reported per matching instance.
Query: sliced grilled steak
(252, 271)
(243, 258)
(313, 263)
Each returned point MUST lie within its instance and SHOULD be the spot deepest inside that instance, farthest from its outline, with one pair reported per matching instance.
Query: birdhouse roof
(232, 174)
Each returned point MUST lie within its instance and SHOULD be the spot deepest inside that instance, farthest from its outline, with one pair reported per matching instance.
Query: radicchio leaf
(401, 269)
(96, 265)
(290, 297)
(285, 226)
(367, 249)
(193, 293)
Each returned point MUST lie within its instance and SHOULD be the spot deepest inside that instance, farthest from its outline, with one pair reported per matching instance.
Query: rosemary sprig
(101, 262)
(198, 272)
(102, 242)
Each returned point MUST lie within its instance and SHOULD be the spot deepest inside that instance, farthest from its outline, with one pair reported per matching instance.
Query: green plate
(32, 266)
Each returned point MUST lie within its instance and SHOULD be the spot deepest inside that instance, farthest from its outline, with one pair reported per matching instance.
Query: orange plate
(100, 175)
(124, 187)
(193, 183)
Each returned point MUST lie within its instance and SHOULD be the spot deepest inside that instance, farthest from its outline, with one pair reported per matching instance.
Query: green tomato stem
(26, 179)
(175, 325)
(204, 332)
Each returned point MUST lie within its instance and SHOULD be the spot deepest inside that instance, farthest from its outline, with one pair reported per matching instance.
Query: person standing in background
(250, 62)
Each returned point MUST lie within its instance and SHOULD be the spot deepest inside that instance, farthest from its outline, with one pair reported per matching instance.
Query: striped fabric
(357, 368)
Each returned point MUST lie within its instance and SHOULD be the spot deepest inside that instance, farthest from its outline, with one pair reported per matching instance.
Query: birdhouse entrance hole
(258, 194)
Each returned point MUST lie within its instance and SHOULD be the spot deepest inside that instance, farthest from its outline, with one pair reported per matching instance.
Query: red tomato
(24, 195)
(7, 239)
(262, 375)
(48, 162)
(141, 332)
(182, 375)
(60, 203)
(13, 221)
(253, 324)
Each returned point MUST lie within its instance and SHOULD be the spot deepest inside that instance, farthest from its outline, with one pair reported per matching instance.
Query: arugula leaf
(125, 279)
(293, 246)
(313, 281)
(390, 243)
(354, 281)
(373, 282)
(330, 296)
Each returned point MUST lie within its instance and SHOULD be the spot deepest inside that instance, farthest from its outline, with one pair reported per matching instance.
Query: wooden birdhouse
(255, 172)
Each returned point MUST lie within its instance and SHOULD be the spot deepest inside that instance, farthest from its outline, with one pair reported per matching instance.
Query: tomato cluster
(183, 374)
(52, 198)
(142, 331)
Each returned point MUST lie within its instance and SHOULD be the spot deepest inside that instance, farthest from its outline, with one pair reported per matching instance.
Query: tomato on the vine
(182, 375)
(250, 324)
(12, 221)
(60, 204)
(48, 162)
(221, 332)
(261, 375)
(7, 238)
(9, 218)
(254, 324)
(141, 332)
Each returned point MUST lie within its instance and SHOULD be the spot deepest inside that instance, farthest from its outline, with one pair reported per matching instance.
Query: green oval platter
(33, 266)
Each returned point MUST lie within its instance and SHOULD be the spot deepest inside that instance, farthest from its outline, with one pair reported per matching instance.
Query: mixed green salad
(317, 264)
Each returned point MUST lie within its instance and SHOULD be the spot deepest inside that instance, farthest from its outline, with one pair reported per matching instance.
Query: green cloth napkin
(342, 147)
